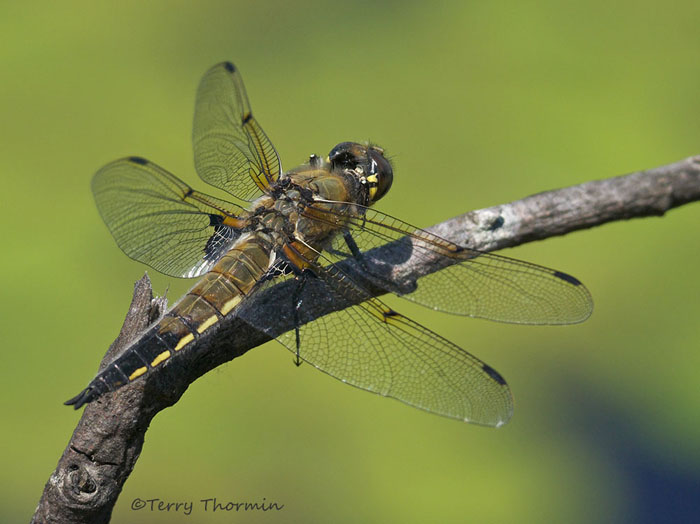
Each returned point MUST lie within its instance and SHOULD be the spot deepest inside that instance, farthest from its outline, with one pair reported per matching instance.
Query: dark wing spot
(229, 67)
(390, 313)
(188, 193)
(567, 278)
(216, 220)
(247, 118)
(138, 160)
(493, 374)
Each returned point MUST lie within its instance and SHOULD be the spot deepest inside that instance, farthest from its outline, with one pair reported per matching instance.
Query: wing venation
(159, 220)
(231, 150)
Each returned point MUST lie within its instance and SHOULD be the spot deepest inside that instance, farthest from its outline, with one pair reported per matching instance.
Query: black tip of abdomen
(84, 397)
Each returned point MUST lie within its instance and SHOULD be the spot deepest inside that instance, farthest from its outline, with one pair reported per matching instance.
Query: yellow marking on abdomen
(160, 358)
(184, 341)
(138, 373)
(207, 323)
(228, 306)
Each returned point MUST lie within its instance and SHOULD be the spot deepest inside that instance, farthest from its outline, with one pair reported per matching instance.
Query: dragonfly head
(367, 163)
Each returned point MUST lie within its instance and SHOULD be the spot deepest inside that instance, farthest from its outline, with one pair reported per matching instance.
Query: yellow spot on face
(160, 358)
(207, 323)
(138, 373)
(373, 187)
(228, 306)
(184, 341)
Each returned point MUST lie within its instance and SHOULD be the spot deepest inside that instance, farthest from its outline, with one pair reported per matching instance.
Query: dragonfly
(299, 228)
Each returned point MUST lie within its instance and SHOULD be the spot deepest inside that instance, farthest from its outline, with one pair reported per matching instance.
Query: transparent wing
(231, 151)
(471, 283)
(159, 220)
(372, 347)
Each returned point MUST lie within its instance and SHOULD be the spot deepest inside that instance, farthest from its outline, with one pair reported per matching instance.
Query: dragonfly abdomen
(217, 294)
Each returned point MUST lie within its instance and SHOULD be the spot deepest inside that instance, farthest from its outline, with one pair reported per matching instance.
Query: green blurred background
(479, 104)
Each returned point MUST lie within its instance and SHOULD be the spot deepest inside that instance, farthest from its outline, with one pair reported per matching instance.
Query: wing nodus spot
(389, 313)
(247, 118)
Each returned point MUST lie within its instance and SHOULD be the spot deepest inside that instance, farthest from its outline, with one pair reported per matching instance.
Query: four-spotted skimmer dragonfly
(296, 227)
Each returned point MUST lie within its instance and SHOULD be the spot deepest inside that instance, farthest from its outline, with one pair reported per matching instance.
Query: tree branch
(108, 439)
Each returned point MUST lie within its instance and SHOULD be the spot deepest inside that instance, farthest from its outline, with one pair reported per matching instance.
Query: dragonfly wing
(470, 282)
(372, 347)
(159, 220)
(231, 151)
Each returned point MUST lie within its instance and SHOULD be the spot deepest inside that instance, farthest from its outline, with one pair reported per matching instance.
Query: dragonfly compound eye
(347, 155)
(380, 176)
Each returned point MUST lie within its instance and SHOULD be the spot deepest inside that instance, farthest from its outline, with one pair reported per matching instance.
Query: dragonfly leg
(301, 279)
(381, 280)
(354, 250)
(352, 246)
